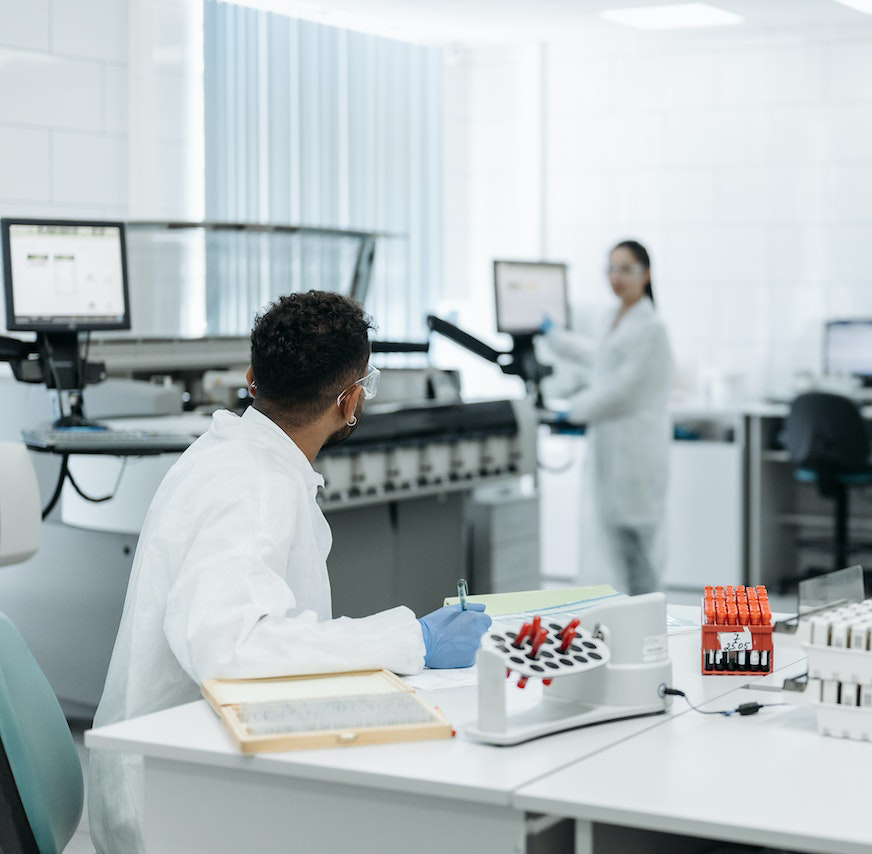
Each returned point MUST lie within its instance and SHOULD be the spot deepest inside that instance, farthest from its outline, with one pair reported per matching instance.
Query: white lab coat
(229, 580)
(625, 405)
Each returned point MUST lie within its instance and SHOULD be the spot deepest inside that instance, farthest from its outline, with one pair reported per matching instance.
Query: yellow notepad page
(500, 604)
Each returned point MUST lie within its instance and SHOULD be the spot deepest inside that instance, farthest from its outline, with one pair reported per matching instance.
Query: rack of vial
(839, 650)
(736, 631)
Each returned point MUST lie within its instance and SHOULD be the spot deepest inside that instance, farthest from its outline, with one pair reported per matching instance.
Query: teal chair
(40, 772)
(41, 787)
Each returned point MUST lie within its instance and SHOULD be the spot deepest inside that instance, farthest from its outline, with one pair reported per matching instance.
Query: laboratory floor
(81, 842)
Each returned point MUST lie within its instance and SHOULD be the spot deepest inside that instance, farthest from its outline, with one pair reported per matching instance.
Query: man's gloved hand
(546, 325)
(452, 636)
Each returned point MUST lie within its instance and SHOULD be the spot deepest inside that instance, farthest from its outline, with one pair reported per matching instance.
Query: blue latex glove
(546, 325)
(452, 636)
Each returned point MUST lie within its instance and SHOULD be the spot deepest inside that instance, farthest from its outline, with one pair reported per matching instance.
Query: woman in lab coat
(628, 373)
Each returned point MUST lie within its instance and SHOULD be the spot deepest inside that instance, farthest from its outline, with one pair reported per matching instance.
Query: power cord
(742, 709)
(66, 474)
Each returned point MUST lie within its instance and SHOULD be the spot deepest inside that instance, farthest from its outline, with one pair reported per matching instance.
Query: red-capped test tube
(526, 629)
(572, 624)
(568, 638)
(537, 642)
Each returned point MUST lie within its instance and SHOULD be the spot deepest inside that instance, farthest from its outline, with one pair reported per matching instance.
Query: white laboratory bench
(202, 794)
(766, 780)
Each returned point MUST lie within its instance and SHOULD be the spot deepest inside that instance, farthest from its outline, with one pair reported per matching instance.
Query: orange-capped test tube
(754, 614)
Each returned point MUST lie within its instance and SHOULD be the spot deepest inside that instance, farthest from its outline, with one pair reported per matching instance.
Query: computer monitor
(527, 292)
(64, 276)
(848, 348)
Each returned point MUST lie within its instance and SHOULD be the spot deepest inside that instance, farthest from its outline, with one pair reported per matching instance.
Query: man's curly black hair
(305, 349)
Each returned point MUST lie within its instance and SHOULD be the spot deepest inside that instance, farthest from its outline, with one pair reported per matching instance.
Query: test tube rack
(838, 643)
(613, 666)
(736, 636)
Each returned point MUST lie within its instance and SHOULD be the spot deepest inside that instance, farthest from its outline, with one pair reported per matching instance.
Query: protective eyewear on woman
(369, 385)
(625, 270)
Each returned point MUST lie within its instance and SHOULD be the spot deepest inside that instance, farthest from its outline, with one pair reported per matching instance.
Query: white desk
(202, 794)
(769, 779)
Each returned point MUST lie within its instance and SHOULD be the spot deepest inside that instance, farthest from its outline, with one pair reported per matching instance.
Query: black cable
(557, 469)
(104, 497)
(58, 486)
(743, 709)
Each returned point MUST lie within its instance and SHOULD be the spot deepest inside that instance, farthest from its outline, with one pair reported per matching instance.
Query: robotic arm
(520, 361)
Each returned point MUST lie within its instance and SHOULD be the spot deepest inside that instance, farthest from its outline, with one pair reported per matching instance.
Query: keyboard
(91, 441)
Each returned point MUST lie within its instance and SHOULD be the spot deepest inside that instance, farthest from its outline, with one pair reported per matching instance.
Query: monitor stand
(63, 371)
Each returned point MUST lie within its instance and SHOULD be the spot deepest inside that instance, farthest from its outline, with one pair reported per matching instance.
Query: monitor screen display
(64, 275)
(527, 292)
(848, 347)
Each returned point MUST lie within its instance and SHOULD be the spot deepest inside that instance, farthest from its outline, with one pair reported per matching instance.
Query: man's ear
(249, 381)
(348, 404)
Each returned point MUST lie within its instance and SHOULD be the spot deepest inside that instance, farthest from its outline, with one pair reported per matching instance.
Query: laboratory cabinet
(504, 530)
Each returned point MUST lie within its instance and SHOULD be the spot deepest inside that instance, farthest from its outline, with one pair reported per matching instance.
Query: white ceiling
(476, 21)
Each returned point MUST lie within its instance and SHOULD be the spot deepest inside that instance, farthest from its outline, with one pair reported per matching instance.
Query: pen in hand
(462, 591)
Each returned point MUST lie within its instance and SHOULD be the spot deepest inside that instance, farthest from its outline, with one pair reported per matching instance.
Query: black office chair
(828, 443)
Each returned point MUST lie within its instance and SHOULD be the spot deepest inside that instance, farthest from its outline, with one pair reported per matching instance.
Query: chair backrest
(20, 510)
(40, 751)
(826, 432)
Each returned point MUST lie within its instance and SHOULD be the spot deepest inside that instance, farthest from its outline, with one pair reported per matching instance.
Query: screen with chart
(527, 292)
(64, 275)
(848, 348)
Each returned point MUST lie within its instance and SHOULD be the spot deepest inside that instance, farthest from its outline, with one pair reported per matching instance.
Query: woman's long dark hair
(640, 253)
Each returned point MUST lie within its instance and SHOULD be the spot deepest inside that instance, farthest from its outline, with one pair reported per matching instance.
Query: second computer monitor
(527, 292)
(848, 348)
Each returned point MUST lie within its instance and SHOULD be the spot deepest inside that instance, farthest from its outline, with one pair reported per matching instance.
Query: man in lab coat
(230, 575)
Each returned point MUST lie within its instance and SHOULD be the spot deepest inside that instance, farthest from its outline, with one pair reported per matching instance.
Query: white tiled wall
(101, 115)
(744, 161)
(63, 108)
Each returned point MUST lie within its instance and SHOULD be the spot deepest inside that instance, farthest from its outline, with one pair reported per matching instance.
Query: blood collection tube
(572, 624)
(754, 659)
(538, 640)
(518, 642)
(568, 637)
(709, 610)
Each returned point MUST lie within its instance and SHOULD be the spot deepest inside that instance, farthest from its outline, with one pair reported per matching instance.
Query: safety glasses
(369, 384)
